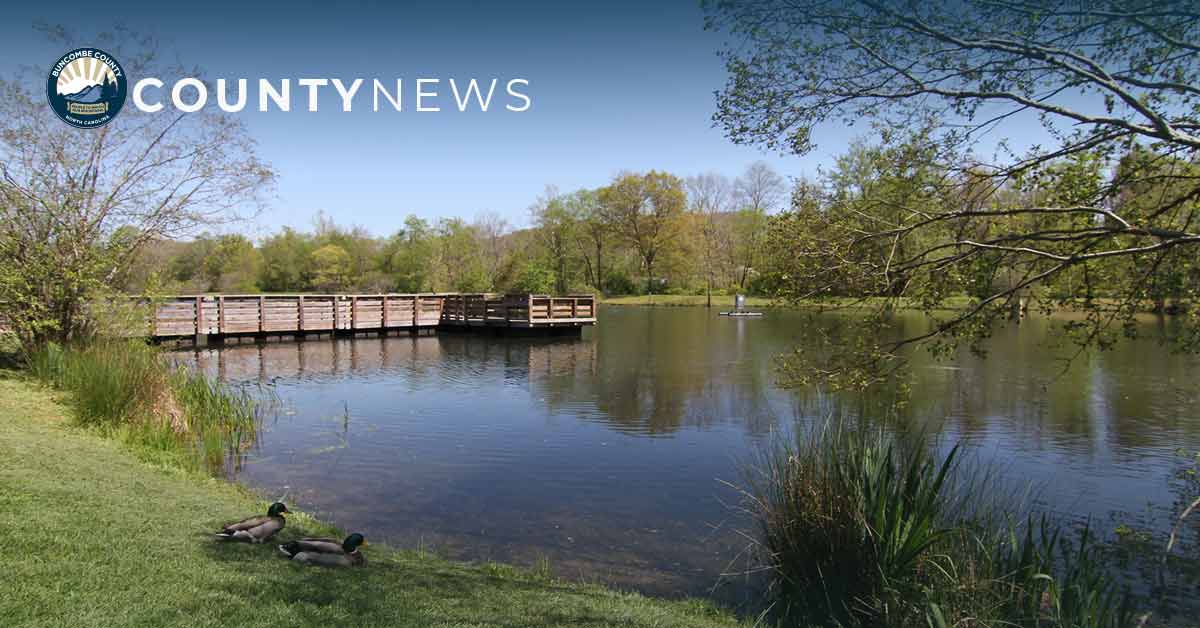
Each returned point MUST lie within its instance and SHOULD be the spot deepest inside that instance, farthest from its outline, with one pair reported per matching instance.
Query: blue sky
(624, 85)
(615, 86)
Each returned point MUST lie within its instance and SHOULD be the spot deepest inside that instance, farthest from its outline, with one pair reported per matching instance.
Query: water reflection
(604, 453)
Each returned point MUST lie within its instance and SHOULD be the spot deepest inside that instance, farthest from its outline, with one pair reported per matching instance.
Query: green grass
(726, 301)
(126, 389)
(91, 535)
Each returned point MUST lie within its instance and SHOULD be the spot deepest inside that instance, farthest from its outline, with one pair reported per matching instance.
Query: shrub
(866, 529)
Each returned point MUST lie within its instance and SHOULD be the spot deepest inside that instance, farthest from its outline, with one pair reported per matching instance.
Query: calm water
(607, 454)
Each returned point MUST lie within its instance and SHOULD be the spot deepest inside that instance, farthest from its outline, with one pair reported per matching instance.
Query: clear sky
(615, 85)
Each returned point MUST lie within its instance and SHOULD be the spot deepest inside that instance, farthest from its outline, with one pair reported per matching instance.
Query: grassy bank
(124, 389)
(726, 301)
(91, 535)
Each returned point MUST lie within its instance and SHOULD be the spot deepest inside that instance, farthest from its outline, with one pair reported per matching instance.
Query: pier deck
(217, 316)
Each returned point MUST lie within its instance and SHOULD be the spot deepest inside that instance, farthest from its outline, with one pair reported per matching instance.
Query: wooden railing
(301, 313)
(518, 310)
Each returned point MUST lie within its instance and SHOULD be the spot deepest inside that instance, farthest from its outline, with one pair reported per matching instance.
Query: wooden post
(199, 318)
(354, 312)
(574, 307)
(337, 314)
(300, 313)
(385, 314)
(262, 313)
(221, 314)
(416, 311)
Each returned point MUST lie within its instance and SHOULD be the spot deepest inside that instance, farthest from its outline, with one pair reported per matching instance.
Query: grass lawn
(726, 301)
(90, 535)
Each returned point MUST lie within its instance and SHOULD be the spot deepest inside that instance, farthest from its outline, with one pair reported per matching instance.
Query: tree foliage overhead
(1091, 207)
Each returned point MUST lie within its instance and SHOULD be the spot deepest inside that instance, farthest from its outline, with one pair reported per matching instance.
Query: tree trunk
(599, 268)
(649, 276)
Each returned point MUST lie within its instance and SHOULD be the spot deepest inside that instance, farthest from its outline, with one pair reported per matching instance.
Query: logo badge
(86, 88)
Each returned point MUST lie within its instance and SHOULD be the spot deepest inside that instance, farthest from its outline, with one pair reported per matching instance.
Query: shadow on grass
(399, 588)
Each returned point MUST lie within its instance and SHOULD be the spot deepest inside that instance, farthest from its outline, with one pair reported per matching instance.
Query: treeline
(644, 232)
(850, 233)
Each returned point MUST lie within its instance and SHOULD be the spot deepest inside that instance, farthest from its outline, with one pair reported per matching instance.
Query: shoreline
(131, 540)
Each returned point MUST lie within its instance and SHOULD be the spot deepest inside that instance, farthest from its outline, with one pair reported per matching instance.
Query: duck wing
(244, 524)
(258, 533)
(317, 545)
(330, 560)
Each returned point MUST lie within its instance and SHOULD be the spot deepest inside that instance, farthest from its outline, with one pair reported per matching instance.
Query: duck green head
(353, 541)
(276, 509)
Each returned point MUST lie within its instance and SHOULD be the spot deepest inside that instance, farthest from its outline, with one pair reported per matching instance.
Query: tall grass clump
(126, 388)
(863, 528)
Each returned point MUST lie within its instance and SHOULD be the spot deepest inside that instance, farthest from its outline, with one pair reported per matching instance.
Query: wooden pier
(218, 316)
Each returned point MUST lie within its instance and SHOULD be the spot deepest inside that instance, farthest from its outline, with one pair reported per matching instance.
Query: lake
(608, 456)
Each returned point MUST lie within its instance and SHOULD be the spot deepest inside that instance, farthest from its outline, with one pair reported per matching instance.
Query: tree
(555, 225)
(331, 267)
(709, 196)
(285, 261)
(960, 69)
(492, 229)
(760, 188)
(644, 210)
(66, 192)
(460, 254)
(408, 257)
(363, 250)
(534, 278)
(591, 235)
(231, 263)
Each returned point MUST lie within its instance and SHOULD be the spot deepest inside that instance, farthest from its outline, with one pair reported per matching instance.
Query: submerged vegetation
(866, 529)
(126, 389)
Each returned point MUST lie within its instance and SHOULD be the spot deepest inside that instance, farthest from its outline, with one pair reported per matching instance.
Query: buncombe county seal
(86, 88)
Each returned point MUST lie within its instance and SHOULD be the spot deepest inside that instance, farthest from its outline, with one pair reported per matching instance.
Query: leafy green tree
(285, 261)
(461, 257)
(331, 267)
(556, 227)
(645, 211)
(536, 277)
(593, 234)
(231, 264)
(408, 256)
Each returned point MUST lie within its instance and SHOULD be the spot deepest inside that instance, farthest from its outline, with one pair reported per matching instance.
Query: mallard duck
(327, 552)
(256, 529)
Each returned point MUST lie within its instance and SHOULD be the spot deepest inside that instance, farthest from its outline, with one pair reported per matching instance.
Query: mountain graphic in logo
(86, 88)
(95, 93)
